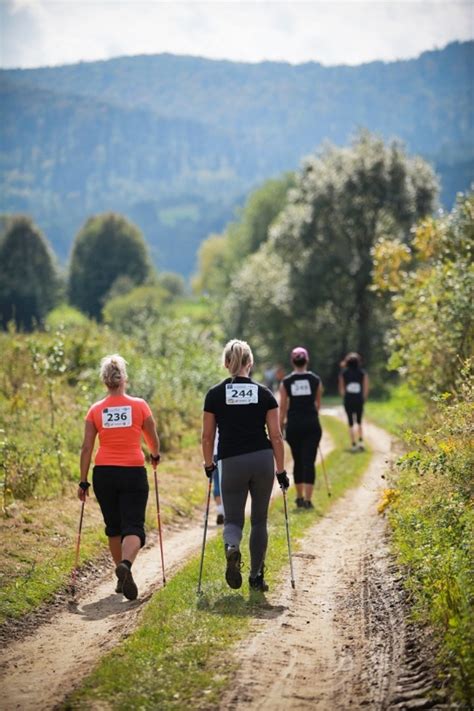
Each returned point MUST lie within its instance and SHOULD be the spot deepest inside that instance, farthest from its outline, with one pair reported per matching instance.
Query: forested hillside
(175, 143)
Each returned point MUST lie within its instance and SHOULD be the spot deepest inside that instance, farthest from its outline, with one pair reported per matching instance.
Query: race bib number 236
(241, 394)
(117, 417)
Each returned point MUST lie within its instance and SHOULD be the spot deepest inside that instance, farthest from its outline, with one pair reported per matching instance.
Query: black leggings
(122, 493)
(304, 448)
(354, 407)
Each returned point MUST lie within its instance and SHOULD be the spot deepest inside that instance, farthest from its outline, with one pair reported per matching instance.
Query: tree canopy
(29, 282)
(108, 248)
(321, 244)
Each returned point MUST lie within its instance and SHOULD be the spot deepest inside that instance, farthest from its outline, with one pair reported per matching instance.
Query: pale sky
(47, 32)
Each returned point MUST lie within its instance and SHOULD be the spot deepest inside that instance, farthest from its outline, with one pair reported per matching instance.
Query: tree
(108, 248)
(29, 283)
(219, 254)
(432, 302)
(345, 199)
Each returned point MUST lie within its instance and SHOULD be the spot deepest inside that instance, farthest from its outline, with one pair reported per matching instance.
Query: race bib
(300, 387)
(353, 388)
(117, 416)
(241, 394)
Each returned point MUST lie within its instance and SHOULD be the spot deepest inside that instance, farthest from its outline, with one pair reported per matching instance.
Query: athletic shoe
(354, 447)
(233, 575)
(119, 587)
(361, 445)
(220, 519)
(299, 503)
(129, 588)
(308, 505)
(258, 583)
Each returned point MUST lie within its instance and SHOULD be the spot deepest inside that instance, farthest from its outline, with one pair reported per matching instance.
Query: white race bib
(241, 394)
(300, 387)
(117, 416)
(353, 388)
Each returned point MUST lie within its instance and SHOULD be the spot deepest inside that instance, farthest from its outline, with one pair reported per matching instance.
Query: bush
(433, 525)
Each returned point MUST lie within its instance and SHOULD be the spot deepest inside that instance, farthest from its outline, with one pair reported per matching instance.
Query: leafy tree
(219, 254)
(172, 283)
(433, 299)
(344, 200)
(140, 308)
(29, 282)
(108, 250)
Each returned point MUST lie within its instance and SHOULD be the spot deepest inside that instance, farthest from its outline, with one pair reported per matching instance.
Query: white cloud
(41, 32)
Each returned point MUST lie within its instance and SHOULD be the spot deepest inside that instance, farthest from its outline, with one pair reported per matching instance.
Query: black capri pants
(353, 407)
(304, 443)
(122, 493)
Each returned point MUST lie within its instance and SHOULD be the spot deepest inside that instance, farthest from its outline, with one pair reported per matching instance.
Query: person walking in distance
(243, 411)
(119, 477)
(300, 402)
(354, 389)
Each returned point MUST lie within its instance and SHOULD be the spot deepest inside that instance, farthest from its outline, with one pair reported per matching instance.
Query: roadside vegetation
(431, 503)
(177, 657)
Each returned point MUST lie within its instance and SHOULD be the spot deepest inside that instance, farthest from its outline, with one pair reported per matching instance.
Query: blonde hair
(113, 371)
(236, 355)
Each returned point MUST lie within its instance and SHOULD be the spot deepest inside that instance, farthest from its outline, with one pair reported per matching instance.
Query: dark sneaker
(220, 519)
(124, 575)
(258, 583)
(233, 575)
(119, 587)
(308, 505)
(299, 503)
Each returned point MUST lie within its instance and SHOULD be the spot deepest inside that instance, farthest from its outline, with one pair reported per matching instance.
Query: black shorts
(122, 493)
(354, 408)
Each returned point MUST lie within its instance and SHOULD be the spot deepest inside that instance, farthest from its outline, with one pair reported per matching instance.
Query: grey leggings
(254, 472)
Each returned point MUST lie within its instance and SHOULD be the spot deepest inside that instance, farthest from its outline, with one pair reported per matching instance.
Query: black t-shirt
(301, 389)
(353, 384)
(240, 406)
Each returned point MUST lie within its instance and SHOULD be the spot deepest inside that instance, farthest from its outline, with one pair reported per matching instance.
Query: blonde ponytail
(236, 355)
(113, 371)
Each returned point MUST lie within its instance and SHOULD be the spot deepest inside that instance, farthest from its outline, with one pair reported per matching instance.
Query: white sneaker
(354, 447)
(361, 445)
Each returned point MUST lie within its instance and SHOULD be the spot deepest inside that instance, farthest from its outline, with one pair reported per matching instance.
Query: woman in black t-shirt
(300, 401)
(354, 388)
(243, 411)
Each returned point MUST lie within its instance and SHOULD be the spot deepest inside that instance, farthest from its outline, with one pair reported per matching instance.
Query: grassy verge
(39, 537)
(432, 519)
(400, 411)
(177, 658)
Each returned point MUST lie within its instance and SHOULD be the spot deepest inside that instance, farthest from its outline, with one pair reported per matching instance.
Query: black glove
(155, 460)
(209, 471)
(283, 479)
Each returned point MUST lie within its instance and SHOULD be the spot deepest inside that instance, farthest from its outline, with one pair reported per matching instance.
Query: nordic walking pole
(154, 463)
(288, 538)
(206, 518)
(78, 546)
(324, 471)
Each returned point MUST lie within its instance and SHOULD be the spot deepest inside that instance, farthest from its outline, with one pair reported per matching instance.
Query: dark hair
(352, 360)
(299, 360)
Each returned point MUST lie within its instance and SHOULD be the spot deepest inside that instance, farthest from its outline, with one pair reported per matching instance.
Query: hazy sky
(46, 32)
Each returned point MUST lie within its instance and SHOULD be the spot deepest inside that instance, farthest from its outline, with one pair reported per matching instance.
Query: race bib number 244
(241, 394)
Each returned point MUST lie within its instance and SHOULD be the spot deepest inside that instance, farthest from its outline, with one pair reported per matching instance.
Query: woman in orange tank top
(119, 476)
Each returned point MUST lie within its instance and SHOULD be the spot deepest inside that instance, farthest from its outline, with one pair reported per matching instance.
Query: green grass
(177, 658)
(400, 411)
(39, 541)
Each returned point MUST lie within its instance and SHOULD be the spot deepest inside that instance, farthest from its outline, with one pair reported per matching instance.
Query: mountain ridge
(200, 133)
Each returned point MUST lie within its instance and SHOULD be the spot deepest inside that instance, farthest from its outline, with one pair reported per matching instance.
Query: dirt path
(341, 642)
(38, 671)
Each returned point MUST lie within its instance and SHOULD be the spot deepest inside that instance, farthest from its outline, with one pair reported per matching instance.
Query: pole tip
(293, 585)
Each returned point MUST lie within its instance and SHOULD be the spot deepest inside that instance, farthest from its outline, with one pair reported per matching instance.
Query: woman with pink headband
(300, 401)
